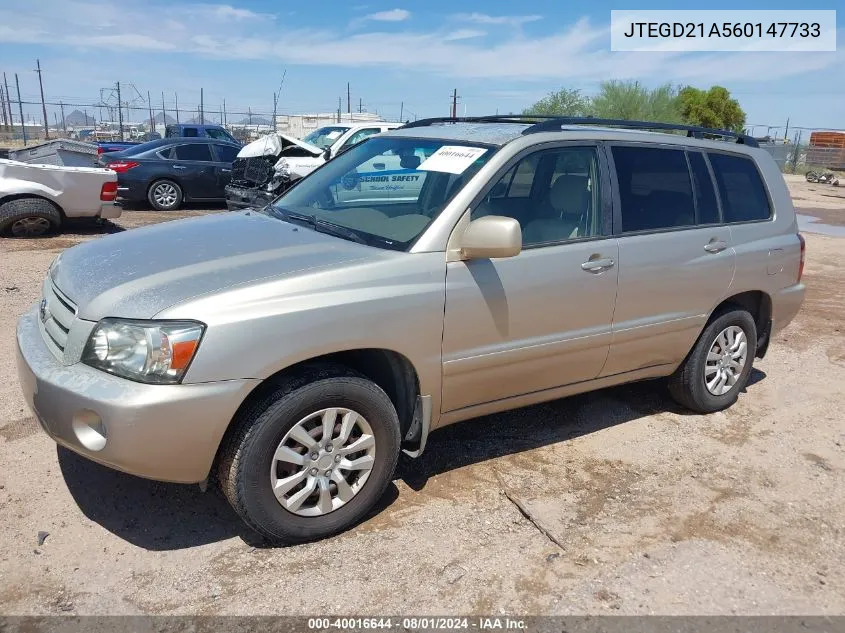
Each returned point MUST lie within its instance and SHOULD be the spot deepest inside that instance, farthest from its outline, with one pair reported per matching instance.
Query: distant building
(300, 125)
(827, 149)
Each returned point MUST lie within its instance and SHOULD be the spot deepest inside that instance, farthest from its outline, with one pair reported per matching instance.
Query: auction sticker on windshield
(453, 159)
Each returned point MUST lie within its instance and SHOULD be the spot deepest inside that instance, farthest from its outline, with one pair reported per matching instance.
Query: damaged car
(266, 168)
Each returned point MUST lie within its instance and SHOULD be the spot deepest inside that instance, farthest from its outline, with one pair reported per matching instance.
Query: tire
(247, 461)
(688, 385)
(29, 217)
(165, 195)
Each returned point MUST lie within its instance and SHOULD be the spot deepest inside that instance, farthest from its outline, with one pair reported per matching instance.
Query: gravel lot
(657, 510)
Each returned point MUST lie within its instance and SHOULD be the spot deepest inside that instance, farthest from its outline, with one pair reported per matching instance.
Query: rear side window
(655, 190)
(741, 189)
(705, 195)
(198, 151)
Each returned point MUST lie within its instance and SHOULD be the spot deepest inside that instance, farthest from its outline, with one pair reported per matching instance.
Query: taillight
(121, 166)
(100, 150)
(109, 192)
(803, 253)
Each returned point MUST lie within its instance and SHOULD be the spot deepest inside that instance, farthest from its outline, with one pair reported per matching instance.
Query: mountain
(77, 119)
(256, 120)
(167, 119)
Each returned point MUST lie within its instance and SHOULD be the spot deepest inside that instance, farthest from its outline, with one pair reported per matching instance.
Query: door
(541, 319)
(676, 259)
(224, 157)
(193, 165)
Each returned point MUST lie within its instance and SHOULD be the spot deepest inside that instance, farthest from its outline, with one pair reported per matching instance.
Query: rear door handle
(715, 246)
(225, 171)
(178, 167)
(598, 265)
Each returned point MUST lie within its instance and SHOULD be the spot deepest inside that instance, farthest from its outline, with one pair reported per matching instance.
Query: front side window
(741, 189)
(655, 190)
(226, 153)
(325, 136)
(359, 136)
(194, 151)
(386, 190)
(553, 194)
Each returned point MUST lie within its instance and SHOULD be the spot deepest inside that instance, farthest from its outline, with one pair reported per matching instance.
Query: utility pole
(455, 103)
(338, 109)
(119, 112)
(202, 108)
(8, 101)
(360, 105)
(348, 100)
(163, 116)
(64, 123)
(3, 108)
(176, 97)
(20, 108)
(150, 106)
(401, 110)
(86, 117)
(786, 133)
(275, 102)
(224, 113)
(43, 105)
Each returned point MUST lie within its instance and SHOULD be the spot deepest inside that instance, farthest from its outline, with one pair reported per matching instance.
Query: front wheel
(313, 458)
(719, 365)
(29, 217)
(165, 195)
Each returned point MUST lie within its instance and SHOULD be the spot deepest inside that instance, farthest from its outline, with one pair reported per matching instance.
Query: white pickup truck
(36, 199)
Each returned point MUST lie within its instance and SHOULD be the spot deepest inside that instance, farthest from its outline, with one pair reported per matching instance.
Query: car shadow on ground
(161, 516)
(89, 226)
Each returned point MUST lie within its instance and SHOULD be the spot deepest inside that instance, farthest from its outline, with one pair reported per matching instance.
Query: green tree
(564, 102)
(630, 100)
(711, 108)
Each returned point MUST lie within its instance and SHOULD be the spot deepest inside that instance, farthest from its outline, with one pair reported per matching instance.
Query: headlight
(157, 352)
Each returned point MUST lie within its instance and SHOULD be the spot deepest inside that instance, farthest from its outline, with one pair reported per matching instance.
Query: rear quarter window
(741, 189)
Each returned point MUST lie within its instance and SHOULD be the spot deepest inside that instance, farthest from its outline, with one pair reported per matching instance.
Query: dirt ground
(656, 511)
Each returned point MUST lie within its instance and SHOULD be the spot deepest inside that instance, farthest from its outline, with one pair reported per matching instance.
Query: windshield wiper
(321, 225)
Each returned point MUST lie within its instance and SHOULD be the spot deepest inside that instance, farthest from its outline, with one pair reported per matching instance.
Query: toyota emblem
(42, 310)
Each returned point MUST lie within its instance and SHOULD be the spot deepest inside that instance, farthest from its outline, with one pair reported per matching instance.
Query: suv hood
(139, 273)
(273, 144)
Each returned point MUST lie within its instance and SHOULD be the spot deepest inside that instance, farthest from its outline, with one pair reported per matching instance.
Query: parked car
(294, 352)
(167, 172)
(192, 130)
(270, 165)
(104, 147)
(36, 199)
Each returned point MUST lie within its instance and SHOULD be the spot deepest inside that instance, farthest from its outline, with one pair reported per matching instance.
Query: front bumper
(238, 198)
(162, 432)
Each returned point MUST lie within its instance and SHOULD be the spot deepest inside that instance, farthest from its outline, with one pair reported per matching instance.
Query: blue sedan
(167, 172)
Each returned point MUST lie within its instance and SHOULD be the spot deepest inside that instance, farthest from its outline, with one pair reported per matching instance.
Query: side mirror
(327, 154)
(492, 236)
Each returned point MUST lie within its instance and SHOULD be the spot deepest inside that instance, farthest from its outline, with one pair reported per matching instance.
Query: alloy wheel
(726, 360)
(30, 227)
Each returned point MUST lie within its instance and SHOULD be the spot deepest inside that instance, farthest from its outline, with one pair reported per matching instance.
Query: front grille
(57, 317)
(257, 170)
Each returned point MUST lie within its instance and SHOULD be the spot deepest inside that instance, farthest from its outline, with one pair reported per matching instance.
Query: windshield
(325, 136)
(387, 190)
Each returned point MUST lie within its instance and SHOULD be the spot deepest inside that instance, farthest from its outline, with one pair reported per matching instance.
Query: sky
(398, 58)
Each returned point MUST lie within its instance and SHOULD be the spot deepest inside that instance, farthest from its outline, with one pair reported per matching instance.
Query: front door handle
(178, 167)
(715, 246)
(225, 171)
(598, 265)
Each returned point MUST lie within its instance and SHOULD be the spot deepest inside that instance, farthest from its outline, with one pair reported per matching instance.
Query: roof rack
(497, 118)
(693, 131)
(550, 123)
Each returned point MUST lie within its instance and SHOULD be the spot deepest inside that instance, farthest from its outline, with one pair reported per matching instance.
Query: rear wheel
(718, 367)
(29, 217)
(313, 458)
(165, 195)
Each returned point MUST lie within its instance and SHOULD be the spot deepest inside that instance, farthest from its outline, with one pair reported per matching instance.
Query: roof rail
(496, 118)
(555, 124)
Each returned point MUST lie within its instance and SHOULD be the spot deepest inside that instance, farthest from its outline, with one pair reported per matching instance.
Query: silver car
(290, 354)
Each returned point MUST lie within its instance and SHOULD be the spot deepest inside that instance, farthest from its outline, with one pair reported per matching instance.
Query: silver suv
(290, 353)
